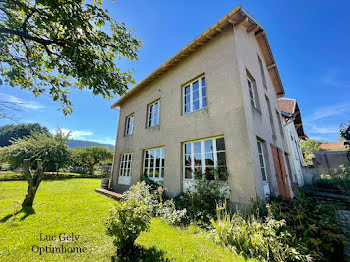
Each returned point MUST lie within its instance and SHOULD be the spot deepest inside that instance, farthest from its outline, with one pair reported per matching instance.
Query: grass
(15, 176)
(71, 206)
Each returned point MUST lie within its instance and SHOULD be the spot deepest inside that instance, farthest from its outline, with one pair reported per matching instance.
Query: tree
(51, 46)
(345, 134)
(34, 180)
(308, 147)
(9, 132)
(91, 156)
(51, 149)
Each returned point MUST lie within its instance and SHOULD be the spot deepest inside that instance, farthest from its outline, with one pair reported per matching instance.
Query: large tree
(51, 149)
(91, 156)
(9, 132)
(51, 46)
(308, 147)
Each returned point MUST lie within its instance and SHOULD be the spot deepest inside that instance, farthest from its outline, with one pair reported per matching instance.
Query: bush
(253, 238)
(168, 212)
(313, 223)
(201, 201)
(127, 219)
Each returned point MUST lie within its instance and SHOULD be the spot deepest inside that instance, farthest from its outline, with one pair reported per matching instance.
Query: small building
(214, 104)
(294, 131)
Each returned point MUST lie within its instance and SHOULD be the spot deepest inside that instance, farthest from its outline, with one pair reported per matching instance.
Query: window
(129, 125)
(154, 163)
(279, 123)
(203, 155)
(194, 96)
(262, 72)
(270, 116)
(262, 161)
(251, 92)
(125, 164)
(153, 114)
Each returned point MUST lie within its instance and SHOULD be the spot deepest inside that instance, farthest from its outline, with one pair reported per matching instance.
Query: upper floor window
(251, 91)
(262, 72)
(154, 163)
(129, 125)
(194, 96)
(203, 155)
(153, 114)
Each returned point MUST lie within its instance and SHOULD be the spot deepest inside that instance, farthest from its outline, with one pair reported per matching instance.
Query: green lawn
(71, 206)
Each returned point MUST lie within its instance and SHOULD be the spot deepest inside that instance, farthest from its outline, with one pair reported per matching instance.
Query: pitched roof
(335, 146)
(237, 17)
(287, 105)
(290, 109)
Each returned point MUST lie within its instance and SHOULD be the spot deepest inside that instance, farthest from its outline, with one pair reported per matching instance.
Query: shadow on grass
(27, 211)
(143, 254)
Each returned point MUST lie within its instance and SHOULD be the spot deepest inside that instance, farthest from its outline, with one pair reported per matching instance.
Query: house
(213, 104)
(294, 131)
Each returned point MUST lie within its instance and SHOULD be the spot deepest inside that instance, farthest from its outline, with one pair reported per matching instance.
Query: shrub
(168, 212)
(313, 223)
(253, 238)
(127, 219)
(200, 202)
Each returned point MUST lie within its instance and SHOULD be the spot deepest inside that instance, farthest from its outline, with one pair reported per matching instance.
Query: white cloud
(20, 102)
(324, 130)
(105, 140)
(75, 134)
(329, 111)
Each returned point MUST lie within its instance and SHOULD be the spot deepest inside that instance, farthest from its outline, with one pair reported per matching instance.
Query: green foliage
(127, 219)
(200, 202)
(336, 182)
(91, 156)
(308, 147)
(345, 133)
(260, 239)
(51, 46)
(312, 223)
(52, 149)
(10, 132)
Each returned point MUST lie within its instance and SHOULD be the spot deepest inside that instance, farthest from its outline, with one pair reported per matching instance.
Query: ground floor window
(125, 164)
(154, 163)
(201, 156)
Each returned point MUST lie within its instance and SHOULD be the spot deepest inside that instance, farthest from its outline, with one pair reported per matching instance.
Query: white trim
(162, 152)
(200, 95)
(128, 130)
(251, 91)
(124, 171)
(260, 145)
(149, 114)
(203, 152)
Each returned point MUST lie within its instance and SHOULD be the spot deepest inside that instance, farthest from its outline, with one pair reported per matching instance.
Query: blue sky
(309, 40)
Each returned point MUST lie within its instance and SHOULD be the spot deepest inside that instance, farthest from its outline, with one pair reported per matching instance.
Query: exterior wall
(224, 115)
(258, 121)
(295, 153)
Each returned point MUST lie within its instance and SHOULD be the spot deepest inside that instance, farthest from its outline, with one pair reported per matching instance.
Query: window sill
(153, 127)
(199, 110)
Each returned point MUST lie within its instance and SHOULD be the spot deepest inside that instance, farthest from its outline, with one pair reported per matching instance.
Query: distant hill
(72, 143)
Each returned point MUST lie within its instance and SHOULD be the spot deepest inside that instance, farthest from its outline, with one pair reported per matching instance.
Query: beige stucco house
(214, 103)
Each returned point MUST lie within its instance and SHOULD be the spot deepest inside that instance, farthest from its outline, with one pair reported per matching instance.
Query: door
(280, 172)
(125, 169)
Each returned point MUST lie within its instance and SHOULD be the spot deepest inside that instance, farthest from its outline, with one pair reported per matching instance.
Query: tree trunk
(91, 170)
(33, 181)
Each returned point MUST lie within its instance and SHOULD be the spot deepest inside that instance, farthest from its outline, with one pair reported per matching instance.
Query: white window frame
(161, 174)
(200, 97)
(215, 152)
(261, 147)
(251, 90)
(129, 125)
(150, 115)
(125, 158)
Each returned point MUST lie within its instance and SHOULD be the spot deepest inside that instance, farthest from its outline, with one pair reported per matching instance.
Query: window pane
(220, 144)
(203, 91)
(259, 148)
(221, 159)
(195, 95)
(263, 174)
(196, 105)
(208, 145)
(204, 102)
(203, 81)
(162, 170)
(188, 173)
(188, 148)
(197, 159)
(187, 90)
(156, 172)
(187, 160)
(151, 171)
(187, 108)
(209, 159)
(197, 147)
(195, 86)
(146, 162)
